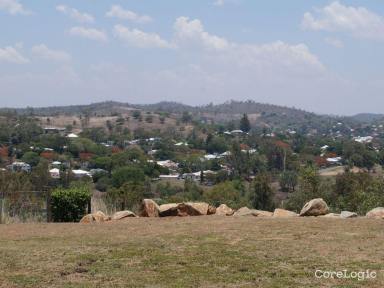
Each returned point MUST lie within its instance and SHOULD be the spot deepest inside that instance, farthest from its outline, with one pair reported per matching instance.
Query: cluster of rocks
(149, 208)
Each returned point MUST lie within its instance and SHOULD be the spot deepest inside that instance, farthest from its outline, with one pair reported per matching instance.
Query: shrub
(231, 193)
(69, 205)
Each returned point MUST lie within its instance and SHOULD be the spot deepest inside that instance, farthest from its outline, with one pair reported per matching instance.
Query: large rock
(185, 209)
(284, 213)
(331, 215)
(224, 210)
(87, 219)
(201, 207)
(376, 213)
(347, 214)
(244, 211)
(211, 210)
(100, 216)
(149, 208)
(169, 209)
(123, 214)
(261, 213)
(96, 217)
(315, 207)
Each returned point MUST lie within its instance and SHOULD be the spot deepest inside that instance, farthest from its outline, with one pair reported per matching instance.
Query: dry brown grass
(202, 251)
(62, 121)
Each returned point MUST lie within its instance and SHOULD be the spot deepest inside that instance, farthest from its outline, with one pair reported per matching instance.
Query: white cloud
(13, 7)
(189, 32)
(89, 33)
(139, 38)
(337, 43)
(44, 52)
(356, 21)
(117, 11)
(218, 3)
(12, 55)
(75, 14)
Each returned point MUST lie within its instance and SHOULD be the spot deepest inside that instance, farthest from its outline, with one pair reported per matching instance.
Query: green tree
(186, 117)
(127, 174)
(69, 205)
(128, 196)
(32, 158)
(228, 192)
(245, 125)
(288, 181)
(309, 187)
(262, 196)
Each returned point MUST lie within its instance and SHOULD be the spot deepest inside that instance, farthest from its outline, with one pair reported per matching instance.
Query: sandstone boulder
(96, 217)
(347, 214)
(169, 209)
(149, 208)
(211, 210)
(185, 209)
(123, 214)
(376, 213)
(243, 211)
(261, 213)
(315, 207)
(87, 219)
(224, 210)
(284, 213)
(200, 207)
(331, 215)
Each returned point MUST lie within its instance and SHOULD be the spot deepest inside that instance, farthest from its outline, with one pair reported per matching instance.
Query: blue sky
(322, 56)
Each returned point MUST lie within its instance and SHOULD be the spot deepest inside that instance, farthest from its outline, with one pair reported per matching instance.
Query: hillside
(260, 114)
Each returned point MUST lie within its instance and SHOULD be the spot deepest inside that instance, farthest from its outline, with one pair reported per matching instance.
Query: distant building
(54, 130)
(211, 157)
(366, 139)
(169, 177)
(196, 176)
(72, 136)
(55, 173)
(168, 164)
(334, 160)
(19, 167)
(81, 173)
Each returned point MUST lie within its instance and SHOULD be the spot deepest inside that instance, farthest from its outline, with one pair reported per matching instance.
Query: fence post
(49, 210)
(89, 206)
(1, 207)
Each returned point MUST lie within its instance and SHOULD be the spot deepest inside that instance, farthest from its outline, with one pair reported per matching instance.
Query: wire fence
(25, 206)
(35, 206)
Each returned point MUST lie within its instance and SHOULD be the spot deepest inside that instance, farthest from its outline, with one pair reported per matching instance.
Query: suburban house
(55, 173)
(19, 167)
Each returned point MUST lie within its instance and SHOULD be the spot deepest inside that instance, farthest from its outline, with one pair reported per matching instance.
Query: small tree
(69, 205)
(32, 158)
(263, 196)
(288, 181)
(136, 114)
(245, 125)
(127, 196)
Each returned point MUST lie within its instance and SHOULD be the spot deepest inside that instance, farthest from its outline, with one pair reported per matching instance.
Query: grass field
(206, 251)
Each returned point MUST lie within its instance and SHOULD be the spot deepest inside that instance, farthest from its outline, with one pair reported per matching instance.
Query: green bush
(69, 205)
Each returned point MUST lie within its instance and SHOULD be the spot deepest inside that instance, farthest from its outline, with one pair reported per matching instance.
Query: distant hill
(367, 117)
(260, 114)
